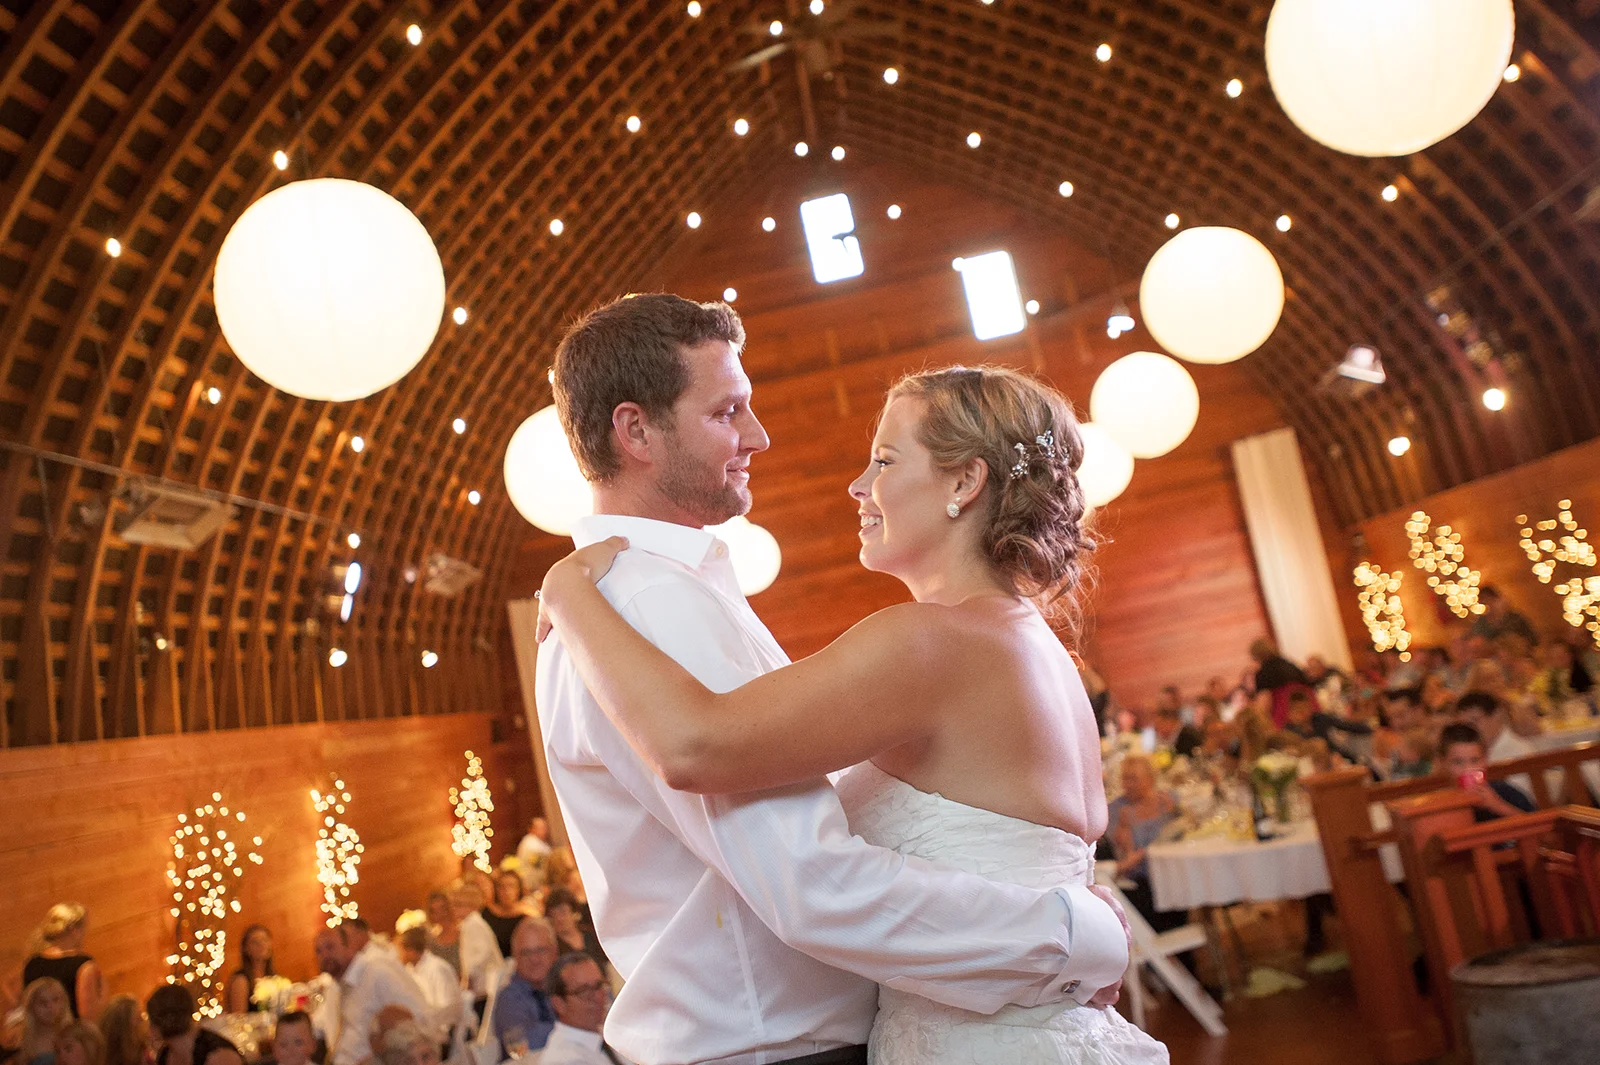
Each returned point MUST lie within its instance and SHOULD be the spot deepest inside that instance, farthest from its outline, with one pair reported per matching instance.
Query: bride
(966, 731)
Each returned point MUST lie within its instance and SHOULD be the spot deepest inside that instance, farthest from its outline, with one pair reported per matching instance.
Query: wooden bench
(1404, 1026)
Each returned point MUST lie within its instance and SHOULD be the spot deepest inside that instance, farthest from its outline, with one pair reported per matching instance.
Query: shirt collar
(681, 543)
(583, 1036)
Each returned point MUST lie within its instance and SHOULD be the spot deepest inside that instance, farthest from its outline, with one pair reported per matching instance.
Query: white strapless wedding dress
(910, 1030)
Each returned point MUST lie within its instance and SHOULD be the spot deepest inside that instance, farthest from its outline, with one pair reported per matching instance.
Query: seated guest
(1308, 722)
(370, 980)
(523, 1016)
(1172, 734)
(479, 952)
(1401, 748)
(1498, 618)
(532, 852)
(294, 1042)
(1136, 819)
(183, 1042)
(45, 1015)
(407, 1044)
(444, 934)
(1276, 675)
(255, 961)
(1463, 757)
(80, 1044)
(440, 984)
(61, 957)
(582, 998)
(1487, 715)
(127, 1032)
(506, 908)
(561, 910)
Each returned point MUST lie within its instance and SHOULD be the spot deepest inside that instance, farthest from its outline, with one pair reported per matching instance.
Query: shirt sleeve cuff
(1097, 951)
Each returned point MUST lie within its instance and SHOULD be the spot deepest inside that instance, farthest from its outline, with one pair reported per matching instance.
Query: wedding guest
(370, 980)
(1308, 722)
(1464, 758)
(1522, 712)
(80, 1043)
(255, 961)
(506, 908)
(561, 910)
(480, 952)
(1276, 674)
(172, 1010)
(294, 1041)
(127, 1032)
(60, 956)
(1135, 820)
(444, 934)
(535, 846)
(581, 998)
(523, 1015)
(45, 1015)
(1499, 618)
(440, 984)
(1486, 714)
(407, 1043)
(1172, 734)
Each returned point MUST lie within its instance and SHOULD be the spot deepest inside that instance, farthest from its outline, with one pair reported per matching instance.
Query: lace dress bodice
(888, 812)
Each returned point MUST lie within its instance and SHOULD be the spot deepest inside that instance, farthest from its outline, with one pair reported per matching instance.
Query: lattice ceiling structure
(155, 122)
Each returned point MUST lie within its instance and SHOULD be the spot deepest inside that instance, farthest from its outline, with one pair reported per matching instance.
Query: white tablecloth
(1219, 872)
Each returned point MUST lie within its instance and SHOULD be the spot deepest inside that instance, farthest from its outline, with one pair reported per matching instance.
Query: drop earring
(953, 509)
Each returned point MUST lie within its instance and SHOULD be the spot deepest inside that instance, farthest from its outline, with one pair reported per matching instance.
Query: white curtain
(1291, 562)
(525, 640)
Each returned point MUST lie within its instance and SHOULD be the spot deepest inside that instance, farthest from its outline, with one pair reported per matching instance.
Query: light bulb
(1494, 398)
(890, 75)
(894, 210)
(730, 294)
(1390, 193)
(776, 29)
(1065, 188)
(280, 159)
(474, 497)
(1171, 221)
(1512, 72)
(459, 425)
(769, 223)
(741, 126)
(837, 153)
(414, 34)
(1032, 306)
(694, 8)
(801, 148)
(354, 540)
(337, 657)
(816, 7)
(1103, 53)
(429, 659)
(1399, 446)
(459, 316)
(213, 395)
(113, 247)
(358, 444)
(557, 227)
(633, 124)
(1235, 88)
(974, 139)
(693, 220)
(1283, 223)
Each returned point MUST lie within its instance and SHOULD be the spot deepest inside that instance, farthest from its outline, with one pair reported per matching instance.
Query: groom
(750, 929)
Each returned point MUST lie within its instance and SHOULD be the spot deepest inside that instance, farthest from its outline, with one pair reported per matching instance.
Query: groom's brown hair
(630, 351)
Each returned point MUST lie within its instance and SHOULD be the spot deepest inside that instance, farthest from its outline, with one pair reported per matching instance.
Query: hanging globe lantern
(753, 551)
(1211, 294)
(1146, 402)
(329, 289)
(542, 476)
(1107, 467)
(1386, 77)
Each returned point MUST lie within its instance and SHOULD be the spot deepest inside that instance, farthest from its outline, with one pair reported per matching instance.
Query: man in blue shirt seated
(523, 1016)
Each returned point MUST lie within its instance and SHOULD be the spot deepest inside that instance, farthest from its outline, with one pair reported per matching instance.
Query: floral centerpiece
(270, 993)
(1271, 776)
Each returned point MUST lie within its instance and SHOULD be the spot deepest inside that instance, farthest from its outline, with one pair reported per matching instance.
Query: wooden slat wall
(1485, 513)
(1177, 599)
(91, 823)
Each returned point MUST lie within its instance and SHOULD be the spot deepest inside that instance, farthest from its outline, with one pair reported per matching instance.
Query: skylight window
(993, 297)
(830, 236)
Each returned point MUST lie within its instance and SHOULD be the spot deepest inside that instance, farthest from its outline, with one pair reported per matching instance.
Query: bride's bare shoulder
(937, 630)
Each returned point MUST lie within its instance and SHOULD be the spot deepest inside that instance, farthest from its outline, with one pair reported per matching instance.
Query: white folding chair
(1156, 950)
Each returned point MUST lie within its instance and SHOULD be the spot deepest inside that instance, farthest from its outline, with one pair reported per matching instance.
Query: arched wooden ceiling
(155, 122)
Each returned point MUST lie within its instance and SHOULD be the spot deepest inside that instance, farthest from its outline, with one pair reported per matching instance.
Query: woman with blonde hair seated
(80, 1044)
(127, 1032)
(44, 1016)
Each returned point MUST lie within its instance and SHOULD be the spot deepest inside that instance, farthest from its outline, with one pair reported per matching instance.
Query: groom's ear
(630, 425)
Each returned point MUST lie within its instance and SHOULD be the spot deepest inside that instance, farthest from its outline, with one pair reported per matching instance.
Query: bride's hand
(587, 565)
(1107, 996)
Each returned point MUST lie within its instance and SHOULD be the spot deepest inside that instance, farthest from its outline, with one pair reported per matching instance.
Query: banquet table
(1220, 872)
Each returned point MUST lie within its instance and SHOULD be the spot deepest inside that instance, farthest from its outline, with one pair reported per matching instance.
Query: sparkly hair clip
(1045, 443)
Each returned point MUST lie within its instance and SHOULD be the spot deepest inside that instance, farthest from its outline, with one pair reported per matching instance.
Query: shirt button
(721, 550)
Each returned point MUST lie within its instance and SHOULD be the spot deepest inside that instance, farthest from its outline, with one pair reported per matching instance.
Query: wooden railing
(1403, 1024)
(1482, 887)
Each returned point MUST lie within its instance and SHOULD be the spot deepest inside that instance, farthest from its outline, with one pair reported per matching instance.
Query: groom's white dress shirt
(751, 929)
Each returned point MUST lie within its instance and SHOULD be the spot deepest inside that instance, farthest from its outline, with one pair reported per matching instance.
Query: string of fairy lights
(339, 852)
(210, 856)
(204, 867)
(473, 804)
(1550, 545)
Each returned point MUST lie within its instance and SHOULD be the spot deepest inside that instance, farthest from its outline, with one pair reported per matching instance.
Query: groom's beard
(702, 490)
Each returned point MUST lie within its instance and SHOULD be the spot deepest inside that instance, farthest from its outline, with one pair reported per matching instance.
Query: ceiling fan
(814, 37)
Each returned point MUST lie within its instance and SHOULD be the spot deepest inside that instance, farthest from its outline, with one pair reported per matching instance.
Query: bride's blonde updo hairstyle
(1035, 534)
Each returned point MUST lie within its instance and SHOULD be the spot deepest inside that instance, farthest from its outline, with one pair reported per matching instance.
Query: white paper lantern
(753, 551)
(1211, 294)
(1107, 466)
(329, 289)
(1147, 403)
(542, 476)
(1386, 77)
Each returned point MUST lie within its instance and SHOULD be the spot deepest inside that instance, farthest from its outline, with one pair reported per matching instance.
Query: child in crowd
(1463, 758)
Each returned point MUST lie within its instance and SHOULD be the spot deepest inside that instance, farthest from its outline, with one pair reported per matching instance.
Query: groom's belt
(837, 1056)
